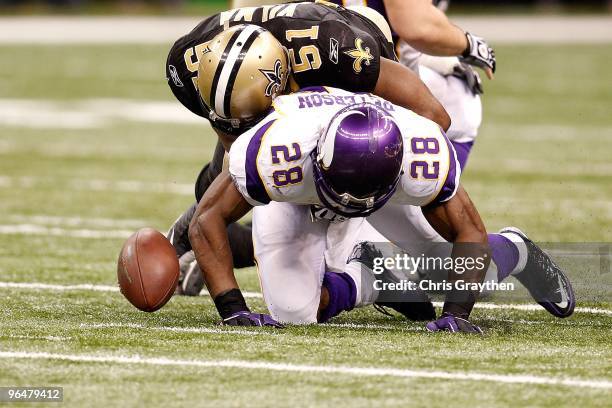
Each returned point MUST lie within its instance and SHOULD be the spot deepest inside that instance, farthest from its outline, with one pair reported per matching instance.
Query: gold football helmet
(240, 71)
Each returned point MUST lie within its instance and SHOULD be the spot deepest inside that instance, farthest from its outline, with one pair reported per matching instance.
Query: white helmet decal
(326, 149)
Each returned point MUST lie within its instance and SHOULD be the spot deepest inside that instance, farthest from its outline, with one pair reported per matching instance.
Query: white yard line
(320, 369)
(76, 221)
(177, 329)
(28, 337)
(58, 288)
(523, 29)
(128, 186)
(86, 287)
(32, 229)
(256, 295)
(532, 308)
(92, 113)
(372, 327)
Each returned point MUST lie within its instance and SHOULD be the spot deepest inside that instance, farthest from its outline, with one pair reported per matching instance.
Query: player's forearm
(471, 251)
(210, 242)
(425, 27)
(458, 221)
(400, 86)
(471, 258)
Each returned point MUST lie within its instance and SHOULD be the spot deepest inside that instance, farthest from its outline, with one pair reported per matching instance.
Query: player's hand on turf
(479, 54)
(470, 76)
(250, 319)
(454, 324)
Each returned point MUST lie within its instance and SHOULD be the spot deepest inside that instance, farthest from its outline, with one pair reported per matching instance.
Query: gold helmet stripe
(237, 47)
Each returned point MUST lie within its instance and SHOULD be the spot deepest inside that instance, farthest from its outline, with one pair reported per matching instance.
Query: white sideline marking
(91, 113)
(257, 295)
(129, 186)
(177, 329)
(95, 288)
(372, 326)
(77, 221)
(165, 30)
(356, 371)
(532, 308)
(216, 331)
(28, 337)
(31, 229)
(60, 288)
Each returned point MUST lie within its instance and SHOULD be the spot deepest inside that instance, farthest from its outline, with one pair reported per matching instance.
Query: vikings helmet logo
(360, 54)
(275, 78)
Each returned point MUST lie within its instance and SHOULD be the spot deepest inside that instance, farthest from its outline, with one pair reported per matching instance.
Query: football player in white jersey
(460, 101)
(358, 156)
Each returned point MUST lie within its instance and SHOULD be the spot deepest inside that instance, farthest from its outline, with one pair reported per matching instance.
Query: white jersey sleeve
(271, 162)
(431, 171)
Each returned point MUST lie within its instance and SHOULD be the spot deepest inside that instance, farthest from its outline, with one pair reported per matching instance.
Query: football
(147, 270)
(426, 236)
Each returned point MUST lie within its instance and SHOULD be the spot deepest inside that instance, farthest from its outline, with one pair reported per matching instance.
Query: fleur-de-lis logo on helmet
(360, 54)
(275, 78)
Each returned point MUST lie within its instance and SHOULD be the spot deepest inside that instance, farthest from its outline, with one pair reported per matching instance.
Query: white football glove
(478, 53)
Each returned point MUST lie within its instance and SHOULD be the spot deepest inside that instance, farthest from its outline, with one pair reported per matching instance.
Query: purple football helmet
(358, 160)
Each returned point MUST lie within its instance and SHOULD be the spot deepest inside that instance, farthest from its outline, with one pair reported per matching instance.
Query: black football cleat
(191, 280)
(544, 280)
(178, 234)
(413, 304)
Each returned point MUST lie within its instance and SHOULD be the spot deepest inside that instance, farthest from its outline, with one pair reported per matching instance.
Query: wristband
(459, 303)
(230, 302)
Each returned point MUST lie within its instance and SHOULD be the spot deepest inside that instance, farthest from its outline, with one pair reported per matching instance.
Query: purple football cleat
(544, 280)
(358, 161)
(453, 324)
(251, 319)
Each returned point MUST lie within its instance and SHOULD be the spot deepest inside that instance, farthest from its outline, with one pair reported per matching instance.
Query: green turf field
(72, 186)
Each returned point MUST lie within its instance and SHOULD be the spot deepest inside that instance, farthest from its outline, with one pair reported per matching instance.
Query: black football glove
(250, 319)
(478, 53)
(235, 312)
(469, 76)
(453, 324)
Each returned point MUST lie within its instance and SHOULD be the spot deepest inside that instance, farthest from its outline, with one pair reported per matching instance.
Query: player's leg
(406, 227)
(290, 252)
(342, 239)
(463, 106)
(352, 247)
(512, 254)
(535, 269)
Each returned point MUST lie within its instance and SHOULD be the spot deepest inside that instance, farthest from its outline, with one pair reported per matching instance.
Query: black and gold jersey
(327, 45)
